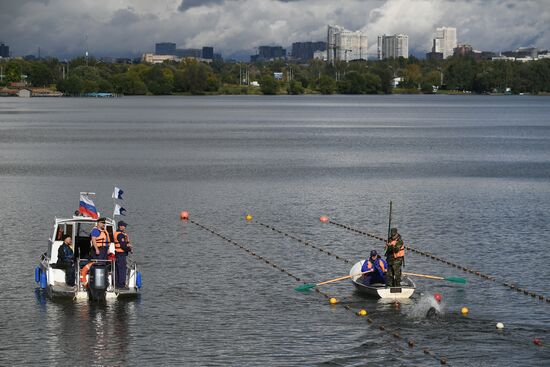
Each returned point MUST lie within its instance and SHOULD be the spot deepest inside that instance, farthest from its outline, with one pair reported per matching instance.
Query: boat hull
(381, 290)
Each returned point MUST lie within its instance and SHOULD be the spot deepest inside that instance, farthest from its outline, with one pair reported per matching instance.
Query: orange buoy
(537, 341)
(324, 219)
(84, 273)
(184, 215)
(437, 297)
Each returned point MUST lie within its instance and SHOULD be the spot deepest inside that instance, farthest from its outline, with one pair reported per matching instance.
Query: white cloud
(119, 27)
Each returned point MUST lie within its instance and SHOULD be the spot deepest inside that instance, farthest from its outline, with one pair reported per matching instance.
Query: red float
(324, 219)
(184, 215)
(438, 297)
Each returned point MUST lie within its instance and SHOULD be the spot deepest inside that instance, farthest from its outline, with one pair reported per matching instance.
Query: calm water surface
(469, 178)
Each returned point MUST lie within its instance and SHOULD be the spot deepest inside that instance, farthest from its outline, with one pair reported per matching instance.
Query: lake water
(469, 178)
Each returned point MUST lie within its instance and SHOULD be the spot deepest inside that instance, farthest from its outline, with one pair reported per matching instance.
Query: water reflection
(86, 331)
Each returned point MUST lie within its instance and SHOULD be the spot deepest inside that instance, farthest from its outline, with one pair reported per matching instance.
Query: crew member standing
(395, 254)
(122, 248)
(100, 240)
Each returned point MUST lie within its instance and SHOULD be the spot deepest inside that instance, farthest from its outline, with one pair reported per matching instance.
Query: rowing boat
(379, 290)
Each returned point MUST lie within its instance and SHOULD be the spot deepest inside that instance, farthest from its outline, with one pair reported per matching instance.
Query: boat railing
(130, 265)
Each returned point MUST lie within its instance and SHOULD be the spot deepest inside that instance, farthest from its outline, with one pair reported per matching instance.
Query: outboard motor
(98, 282)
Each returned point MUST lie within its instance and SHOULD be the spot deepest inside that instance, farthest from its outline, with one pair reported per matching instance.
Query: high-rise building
(332, 31)
(165, 48)
(208, 53)
(188, 52)
(304, 51)
(444, 41)
(266, 53)
(4, 50)
(345, 45)
(393, 46)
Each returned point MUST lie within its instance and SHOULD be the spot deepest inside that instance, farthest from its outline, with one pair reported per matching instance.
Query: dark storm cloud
(122, 27)
(188, 4)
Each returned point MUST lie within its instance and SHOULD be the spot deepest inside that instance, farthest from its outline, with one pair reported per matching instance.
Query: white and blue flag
(119, 210)
(117, 194)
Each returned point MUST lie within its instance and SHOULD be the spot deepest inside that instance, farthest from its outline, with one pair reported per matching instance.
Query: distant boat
(96, 281)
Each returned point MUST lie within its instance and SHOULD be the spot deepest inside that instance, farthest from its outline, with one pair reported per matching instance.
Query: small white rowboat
(381, 290)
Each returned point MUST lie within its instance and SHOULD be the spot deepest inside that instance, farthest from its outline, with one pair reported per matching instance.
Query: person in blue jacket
(378, 268)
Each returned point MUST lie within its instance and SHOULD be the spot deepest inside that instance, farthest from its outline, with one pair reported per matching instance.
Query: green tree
(268, 85)
(73, 85)
(40, 75)
(295, 87)
(327, 85)
(157, 81)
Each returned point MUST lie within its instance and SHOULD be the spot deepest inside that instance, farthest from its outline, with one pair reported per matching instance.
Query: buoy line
(332, 300)
(464, 310)
(526, 292)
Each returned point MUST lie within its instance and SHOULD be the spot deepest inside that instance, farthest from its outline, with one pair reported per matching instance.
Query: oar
(449, 279)
(306, 287)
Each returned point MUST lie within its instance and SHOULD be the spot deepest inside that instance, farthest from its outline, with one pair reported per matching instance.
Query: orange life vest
(103, 238)
(400, 252)
(117, 244)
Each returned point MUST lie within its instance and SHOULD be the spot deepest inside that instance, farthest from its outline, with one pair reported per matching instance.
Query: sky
(66, 28)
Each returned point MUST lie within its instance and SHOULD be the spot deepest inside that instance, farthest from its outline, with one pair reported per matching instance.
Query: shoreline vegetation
(453, 76)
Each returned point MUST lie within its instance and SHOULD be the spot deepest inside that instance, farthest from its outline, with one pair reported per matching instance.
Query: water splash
(420, 309)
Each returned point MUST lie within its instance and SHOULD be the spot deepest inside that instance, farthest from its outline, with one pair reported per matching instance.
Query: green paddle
(449, 279)
(307, 287)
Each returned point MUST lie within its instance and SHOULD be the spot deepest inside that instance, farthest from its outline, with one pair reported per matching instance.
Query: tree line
(80, 76)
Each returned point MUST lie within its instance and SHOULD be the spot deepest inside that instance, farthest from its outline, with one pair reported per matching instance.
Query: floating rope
(434, 257)
(409, 342)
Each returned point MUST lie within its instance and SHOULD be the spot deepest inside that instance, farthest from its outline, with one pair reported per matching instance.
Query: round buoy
(362, 313)
(438, 297)
(249, 217)
(537, 341)
(184, 215)
(464, 311)
(324, 219)
(333, 301)
(500, 325)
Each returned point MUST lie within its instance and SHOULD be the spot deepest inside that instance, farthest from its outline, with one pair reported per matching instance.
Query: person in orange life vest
(378, 266)
(100, 240)
(122, 248)
(395, 253)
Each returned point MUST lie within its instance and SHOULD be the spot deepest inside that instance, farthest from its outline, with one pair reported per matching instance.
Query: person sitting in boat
(65, 259)
(377, 267)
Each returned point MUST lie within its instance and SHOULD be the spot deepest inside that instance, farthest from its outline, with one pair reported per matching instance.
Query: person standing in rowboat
(378, 268)
(395, 254)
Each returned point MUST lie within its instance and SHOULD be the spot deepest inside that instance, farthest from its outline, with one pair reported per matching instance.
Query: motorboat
(94, 279)
(379, 290)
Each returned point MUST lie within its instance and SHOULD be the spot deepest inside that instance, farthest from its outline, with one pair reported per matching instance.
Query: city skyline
(129, 28)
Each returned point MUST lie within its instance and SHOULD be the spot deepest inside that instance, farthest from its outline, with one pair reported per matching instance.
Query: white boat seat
(56, 275)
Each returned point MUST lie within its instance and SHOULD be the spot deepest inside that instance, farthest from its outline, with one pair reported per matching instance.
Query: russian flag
(87, 207)
(117, 194)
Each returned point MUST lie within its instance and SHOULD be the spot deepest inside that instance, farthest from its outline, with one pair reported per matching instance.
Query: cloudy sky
(65, 28)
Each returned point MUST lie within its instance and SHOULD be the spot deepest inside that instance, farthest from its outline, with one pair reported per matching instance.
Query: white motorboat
(92, 281)
(379, 290)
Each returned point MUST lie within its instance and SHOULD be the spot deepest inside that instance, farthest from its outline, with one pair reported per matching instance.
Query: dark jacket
(65, 256)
